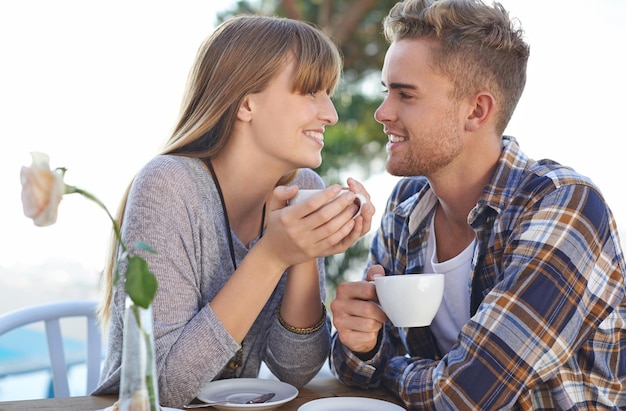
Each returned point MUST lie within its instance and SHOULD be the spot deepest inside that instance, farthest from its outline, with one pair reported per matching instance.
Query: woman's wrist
(271, 261)
(302, 330)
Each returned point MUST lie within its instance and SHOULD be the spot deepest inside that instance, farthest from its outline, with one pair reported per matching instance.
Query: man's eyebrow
(395, 86)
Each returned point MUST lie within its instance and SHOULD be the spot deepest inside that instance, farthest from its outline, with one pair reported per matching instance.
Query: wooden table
(317, 388)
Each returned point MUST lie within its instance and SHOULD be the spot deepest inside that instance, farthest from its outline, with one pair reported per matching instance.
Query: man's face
(419, 115)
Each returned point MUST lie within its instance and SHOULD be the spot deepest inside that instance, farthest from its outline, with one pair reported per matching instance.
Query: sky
(97, 85)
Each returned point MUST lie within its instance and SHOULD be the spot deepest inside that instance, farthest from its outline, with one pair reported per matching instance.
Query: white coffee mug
(410, 300)
(302, 195)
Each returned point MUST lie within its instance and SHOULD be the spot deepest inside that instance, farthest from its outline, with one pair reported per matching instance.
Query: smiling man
(533, 314)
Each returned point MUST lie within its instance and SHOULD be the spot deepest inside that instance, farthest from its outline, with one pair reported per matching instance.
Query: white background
(97, 85)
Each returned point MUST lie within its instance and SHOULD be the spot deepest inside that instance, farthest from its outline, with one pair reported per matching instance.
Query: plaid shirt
(548, 307)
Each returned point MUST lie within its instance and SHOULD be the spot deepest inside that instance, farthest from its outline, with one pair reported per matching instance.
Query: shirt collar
(506, 178)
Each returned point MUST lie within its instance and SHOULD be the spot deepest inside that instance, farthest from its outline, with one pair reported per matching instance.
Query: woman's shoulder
(170, 163)
(307, 178)
(168, 168)
(169, 174)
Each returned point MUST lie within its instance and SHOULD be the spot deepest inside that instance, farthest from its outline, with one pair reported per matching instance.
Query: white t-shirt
(454, 310)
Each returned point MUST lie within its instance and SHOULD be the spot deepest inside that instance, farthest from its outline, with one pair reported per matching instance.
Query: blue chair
(51, 314)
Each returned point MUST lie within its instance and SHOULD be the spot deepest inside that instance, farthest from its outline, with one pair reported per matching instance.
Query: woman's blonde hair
(240, 57)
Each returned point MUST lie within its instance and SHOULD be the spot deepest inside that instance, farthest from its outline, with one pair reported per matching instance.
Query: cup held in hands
(410, 300)
(302, 195)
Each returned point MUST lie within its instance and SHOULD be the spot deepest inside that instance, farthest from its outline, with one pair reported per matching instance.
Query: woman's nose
(328, 112)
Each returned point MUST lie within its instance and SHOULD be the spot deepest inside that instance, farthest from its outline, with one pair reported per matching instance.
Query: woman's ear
(245, 109)
(483, 107)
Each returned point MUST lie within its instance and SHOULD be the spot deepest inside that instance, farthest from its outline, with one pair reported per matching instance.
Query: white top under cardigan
(174, 207)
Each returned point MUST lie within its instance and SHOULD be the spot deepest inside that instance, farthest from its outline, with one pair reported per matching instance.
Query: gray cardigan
(174, 206)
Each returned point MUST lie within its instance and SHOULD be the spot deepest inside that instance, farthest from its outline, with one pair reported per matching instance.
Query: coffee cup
(302, 195)
(410, 300)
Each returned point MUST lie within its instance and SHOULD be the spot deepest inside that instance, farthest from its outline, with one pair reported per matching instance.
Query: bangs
(318, 63)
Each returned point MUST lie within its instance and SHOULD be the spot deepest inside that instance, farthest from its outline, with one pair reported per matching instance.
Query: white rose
(42, 190)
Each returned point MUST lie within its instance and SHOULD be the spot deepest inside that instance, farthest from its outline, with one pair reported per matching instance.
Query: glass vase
(138, 386)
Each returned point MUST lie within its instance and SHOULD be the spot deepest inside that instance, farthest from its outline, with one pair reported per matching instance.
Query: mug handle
(360, 200)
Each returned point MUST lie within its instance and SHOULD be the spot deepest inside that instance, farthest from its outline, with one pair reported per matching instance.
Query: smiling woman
(241, 274)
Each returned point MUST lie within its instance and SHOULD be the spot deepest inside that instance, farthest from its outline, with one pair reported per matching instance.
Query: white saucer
(244, 389)
(162, 409)
(349, 404)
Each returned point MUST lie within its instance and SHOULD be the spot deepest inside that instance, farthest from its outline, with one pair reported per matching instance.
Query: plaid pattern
(548, 308)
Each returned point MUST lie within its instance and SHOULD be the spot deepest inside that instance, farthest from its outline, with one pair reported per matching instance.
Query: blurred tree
(355, 145)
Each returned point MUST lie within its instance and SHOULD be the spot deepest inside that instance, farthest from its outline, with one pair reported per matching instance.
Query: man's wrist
(367, 356)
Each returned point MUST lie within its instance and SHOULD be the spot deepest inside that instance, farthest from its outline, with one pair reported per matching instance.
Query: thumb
(281, 196)
(374, 271)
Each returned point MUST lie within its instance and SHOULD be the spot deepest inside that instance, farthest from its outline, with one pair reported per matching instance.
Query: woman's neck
(244, 195)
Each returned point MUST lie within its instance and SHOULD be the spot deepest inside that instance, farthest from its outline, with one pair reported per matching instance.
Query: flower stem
(72, 189)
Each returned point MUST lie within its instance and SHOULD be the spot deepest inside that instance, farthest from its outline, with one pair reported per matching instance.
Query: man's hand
(356, 315)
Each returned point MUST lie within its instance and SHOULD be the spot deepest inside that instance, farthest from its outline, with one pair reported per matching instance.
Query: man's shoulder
(547, 175)
(407, 187)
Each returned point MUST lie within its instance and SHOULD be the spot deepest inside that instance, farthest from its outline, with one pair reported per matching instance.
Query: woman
(241, 276)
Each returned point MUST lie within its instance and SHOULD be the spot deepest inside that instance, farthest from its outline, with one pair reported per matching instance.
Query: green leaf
(140, 245)
(141, 284)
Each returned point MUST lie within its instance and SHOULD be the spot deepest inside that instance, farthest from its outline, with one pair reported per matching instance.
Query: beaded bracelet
(302, 331)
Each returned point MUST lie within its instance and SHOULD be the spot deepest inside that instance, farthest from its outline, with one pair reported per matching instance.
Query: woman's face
(289, 126)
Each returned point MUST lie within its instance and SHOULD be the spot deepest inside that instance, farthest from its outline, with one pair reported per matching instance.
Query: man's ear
(483, 107)
(245, 109)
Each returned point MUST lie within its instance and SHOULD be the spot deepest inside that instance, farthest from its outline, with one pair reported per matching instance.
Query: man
(534, 312)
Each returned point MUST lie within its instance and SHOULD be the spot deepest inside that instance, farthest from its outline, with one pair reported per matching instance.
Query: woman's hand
(317, 227)
(367, 211)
